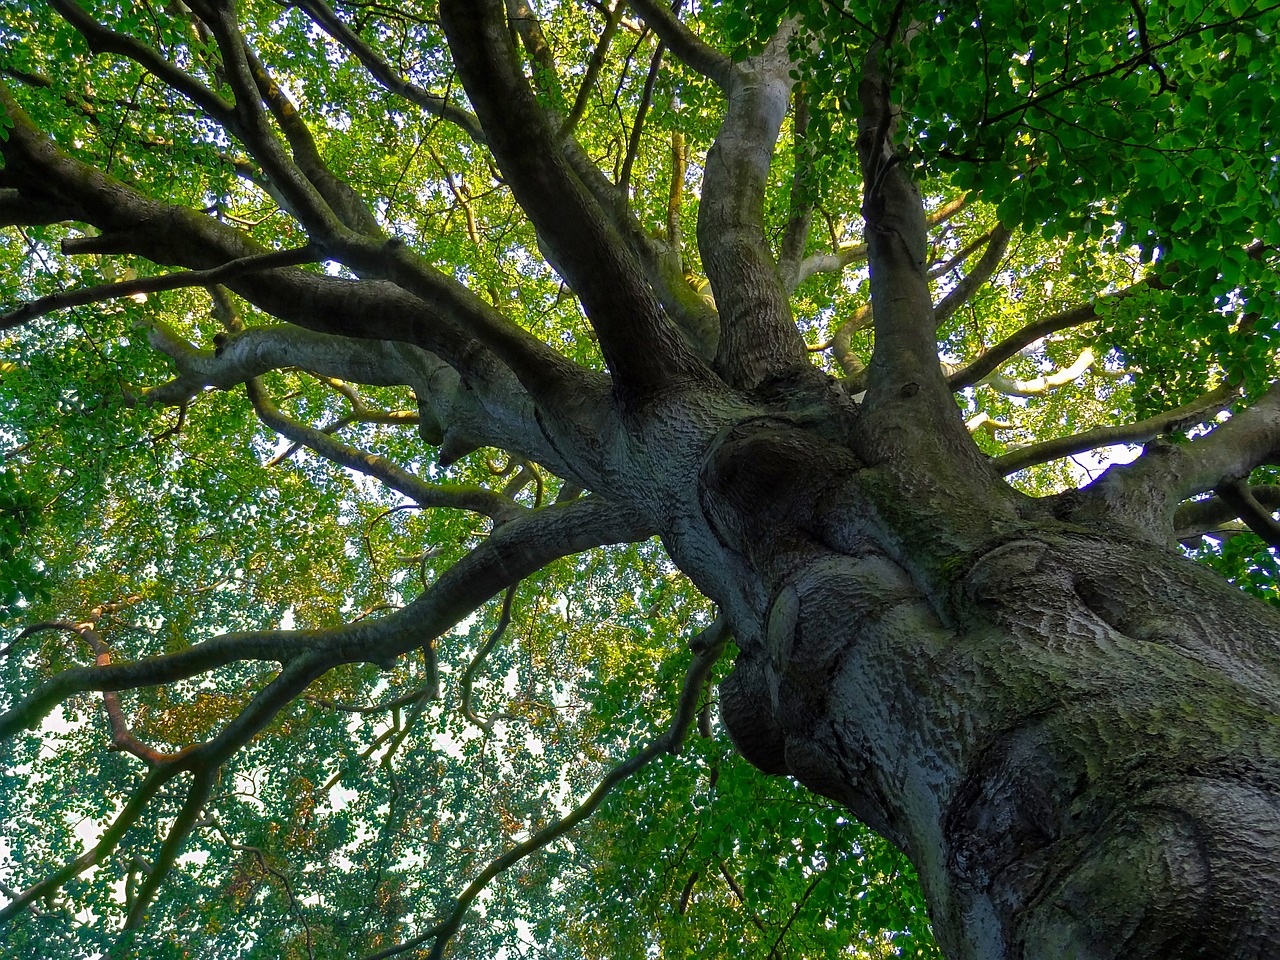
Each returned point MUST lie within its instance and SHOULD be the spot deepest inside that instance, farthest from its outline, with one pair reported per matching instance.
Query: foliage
(1116, 159)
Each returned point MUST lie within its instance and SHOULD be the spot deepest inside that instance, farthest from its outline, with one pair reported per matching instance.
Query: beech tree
(550, 478)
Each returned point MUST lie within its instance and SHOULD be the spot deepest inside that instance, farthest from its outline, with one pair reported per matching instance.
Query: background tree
(405, 408)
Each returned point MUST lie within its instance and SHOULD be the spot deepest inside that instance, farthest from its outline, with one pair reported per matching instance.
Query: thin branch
(960, 256)
(342, 199)
(469, 676)
(512, 552)
(145, 285)
(478, 499)
(1172, 421)
(260, 855)
(423, 306)
(385, 74)
(594, 66)
(633, 142)
(156, 778)
(102, 39)
(122, 735)
(848, 254)
(991, 360)
(707, 647)
(975, 278)
(310, 193)
(740, 894)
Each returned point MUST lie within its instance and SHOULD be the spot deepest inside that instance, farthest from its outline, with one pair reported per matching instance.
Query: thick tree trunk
(1076, 738)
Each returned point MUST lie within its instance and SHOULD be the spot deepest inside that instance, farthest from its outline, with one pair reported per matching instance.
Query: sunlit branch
(995, 357)
(675, 191)
(1147, 490)
(707, 647)
(146, 285)
(984, 421)
(1172, 421)
(1041, 385)
(739, 894)
(846, 255)
(338, 194)
(388, 417)
(842, 343)
(525, 23)
(385, 74)
(690, 49)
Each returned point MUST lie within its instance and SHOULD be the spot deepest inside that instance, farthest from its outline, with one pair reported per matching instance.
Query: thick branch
(429, 309)
(1241, 499)
(758, 337)
(145, 285)
(795, 236)
(477, 499)
(514, 551)
(1144, 494)
(688, 48)
(1172, 421)
(907, 394)
(1198, 518)
(641, 346)
(315, 199)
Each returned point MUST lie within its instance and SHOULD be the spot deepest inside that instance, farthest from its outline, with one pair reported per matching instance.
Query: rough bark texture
(1072, 731)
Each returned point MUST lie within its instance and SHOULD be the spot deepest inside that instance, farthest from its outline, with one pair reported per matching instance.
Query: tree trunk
(1074, 737)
